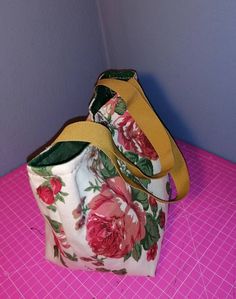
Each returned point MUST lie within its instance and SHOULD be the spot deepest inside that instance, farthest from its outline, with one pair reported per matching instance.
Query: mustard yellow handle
(146, 119)
(171, 159)
(179, 172)
(99, 136)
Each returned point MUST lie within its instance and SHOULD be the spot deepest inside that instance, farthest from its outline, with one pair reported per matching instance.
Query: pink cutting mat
(198, 258)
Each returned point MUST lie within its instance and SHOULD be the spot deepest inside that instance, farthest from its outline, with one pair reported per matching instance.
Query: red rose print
(46, 194)
(152, 201)
(133, 139)
(152, 252)
(162, 219)
(56, 185)
(114, 222)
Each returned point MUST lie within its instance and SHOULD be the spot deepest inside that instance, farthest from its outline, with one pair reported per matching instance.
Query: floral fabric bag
(103, 186)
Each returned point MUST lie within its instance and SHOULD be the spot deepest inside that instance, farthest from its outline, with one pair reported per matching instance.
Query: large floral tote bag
(104, 210)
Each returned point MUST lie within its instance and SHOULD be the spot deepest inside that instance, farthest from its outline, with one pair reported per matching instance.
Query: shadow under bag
(103, 185)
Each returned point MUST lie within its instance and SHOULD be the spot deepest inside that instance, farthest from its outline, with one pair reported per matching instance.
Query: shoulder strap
(171, 159)
(146, 119)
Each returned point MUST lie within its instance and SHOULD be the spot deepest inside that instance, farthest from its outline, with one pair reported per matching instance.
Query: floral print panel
(99, 222)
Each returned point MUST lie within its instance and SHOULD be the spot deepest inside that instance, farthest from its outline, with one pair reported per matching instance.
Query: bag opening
(104, 94)
(59, 153)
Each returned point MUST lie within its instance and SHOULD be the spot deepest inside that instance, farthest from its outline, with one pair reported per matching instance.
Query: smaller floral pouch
(103, 190)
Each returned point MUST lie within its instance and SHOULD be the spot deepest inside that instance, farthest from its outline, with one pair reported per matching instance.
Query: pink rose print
(55, 184)
(152, 252)
(133, 139)
(114, 222)
(46, 194)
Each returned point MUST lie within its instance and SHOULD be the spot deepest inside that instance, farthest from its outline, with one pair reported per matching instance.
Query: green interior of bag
(63, 152)
(103, 94)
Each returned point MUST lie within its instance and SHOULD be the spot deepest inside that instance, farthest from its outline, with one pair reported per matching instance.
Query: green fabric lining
(65, 151)
(104, 94)
(118, 74)
(61, 152)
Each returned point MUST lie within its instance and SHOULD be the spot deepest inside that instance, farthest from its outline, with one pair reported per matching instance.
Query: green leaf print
(152, 232)
(146, 166)
(63, 193)
(131, 156)
(108, 118)
(109, 169)
(60, 198)
(120, 107)
(127, 256)
(137, 252)
(71, 257)
(140, 197)
(106, 174)
(63, 184)
(145, 182)
(43, 171)
(52, 208)
(46, 184)
(54, 224)
(94, 187)
(112, 130)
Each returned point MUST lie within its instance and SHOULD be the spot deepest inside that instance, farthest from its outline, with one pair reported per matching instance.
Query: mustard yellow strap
(179, 172)
(99, 136)
(141, 110)
(146, 119)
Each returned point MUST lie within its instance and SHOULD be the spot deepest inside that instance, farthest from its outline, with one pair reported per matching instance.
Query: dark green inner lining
(103, 94)
(59, 153)
(63, 152)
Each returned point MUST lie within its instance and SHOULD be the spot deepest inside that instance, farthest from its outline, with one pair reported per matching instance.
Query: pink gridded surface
(198, 258)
